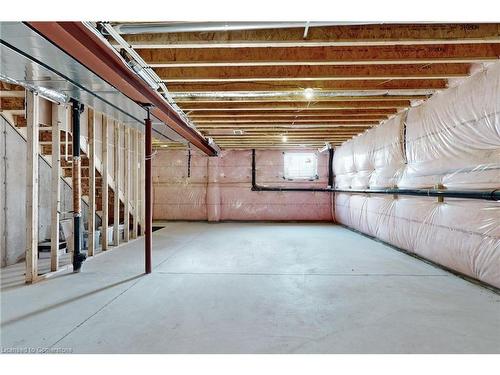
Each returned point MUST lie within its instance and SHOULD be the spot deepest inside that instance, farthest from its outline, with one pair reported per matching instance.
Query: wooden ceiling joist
(271, 123)
(277, 112)
(309, 119)
(295, 98)
(296, 106)
(254, 82)
(348, 55)
(312, 72)
(284, 119)
(279, 145)
(276, 140)
(289, 135)
(362, 35)
(228, 127)
(228, 131)
(310, 135)
(340, 85)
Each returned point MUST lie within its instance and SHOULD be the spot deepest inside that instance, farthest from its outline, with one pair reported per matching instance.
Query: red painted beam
(148, 249)
(83, 45)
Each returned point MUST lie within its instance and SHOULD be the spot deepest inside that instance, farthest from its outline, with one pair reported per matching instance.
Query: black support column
(78, 256)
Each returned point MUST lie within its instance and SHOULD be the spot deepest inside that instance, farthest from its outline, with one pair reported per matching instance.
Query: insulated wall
(452, 140)
(219, 188)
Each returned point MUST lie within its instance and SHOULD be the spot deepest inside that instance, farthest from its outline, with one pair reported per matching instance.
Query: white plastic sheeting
(177, 196)
(453, 140)
(219, 188)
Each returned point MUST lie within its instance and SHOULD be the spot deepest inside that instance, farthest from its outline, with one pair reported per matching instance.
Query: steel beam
(83, 45)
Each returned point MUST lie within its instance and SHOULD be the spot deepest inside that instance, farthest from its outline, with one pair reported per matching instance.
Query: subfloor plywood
(254, 288)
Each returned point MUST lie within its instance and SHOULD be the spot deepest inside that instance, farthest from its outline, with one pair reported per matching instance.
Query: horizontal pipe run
(190, 27)
(489, 195)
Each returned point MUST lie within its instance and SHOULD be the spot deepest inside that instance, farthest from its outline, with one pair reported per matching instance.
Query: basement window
(300, 166)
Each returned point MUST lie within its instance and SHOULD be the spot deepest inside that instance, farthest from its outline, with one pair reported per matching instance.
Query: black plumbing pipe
(78, 256)
(254, 183)
(330, 167)
(490, 195)
(280, 188)
(189, 160)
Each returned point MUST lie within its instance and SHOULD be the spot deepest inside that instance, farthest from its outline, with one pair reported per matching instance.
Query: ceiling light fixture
(309, 93)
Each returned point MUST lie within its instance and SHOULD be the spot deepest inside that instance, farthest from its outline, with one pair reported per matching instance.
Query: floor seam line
(178, 248)
(116, 297)
(294, 274)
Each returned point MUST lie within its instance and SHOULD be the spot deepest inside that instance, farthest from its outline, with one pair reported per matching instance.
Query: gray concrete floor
(254, 288)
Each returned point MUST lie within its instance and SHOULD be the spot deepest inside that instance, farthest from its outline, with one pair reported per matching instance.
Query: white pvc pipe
(186, 27)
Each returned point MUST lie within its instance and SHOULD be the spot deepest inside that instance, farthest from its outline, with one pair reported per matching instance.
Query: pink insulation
(175, 195)
(220, 188)
(453, 140)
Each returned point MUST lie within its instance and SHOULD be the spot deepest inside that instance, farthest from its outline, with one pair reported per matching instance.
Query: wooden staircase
(13, 108)
(45, 141)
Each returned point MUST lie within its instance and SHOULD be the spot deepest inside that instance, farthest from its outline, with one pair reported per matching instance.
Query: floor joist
(312, 72)
(347, 55)
(338, 35)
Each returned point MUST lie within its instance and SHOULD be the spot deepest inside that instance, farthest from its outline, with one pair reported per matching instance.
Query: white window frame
(291, 176)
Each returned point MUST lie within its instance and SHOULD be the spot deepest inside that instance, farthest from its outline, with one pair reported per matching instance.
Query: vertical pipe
(78, 256)
(330, 167)
(189, 160)
(253, 168)
(331, 181)
(148, 192)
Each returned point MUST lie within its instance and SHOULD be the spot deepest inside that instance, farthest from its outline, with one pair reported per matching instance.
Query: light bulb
(309, 93)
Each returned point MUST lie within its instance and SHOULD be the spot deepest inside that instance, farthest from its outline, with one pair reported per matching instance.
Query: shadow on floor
(84, 295)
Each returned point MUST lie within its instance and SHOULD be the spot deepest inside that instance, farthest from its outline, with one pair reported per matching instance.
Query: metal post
(78, 256)
(148, 193)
